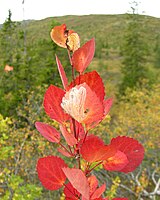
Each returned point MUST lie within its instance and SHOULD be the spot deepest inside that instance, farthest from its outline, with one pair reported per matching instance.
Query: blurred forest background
(128, 59)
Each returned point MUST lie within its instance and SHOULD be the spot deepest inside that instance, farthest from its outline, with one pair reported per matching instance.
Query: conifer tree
(134, 51)
(157, 53)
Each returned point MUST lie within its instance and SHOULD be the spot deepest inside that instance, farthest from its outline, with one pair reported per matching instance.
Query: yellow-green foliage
(20, 147)
(138, 116)
(111, 193)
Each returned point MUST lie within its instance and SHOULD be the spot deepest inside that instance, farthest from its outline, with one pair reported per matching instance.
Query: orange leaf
(59, 35)
(8, 68)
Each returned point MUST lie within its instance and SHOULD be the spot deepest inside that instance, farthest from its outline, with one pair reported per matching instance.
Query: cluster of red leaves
(78, 108)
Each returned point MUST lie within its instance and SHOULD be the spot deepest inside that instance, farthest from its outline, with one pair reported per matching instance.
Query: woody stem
(94, 167)
(65, 148)
(70, 60)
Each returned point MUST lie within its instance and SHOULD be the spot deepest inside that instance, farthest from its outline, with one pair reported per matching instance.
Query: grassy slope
(110, 27)
(107, 28)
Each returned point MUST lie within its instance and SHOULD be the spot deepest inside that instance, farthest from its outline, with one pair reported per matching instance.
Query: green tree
(134, 51)
(157, 53)
(33, 63)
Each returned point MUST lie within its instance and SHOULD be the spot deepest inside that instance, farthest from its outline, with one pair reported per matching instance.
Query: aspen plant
(78, 107)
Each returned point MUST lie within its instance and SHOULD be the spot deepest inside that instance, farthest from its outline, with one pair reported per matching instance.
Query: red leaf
(48, 132)
(93, 184)
(50, 172)
(78, 180)
(94, 109)
(70, 192)
(132, 149)
(107, 105)
(91, 147)
(69, 137)
(83, 56)
(52, 104)
(65, 153)
(116, 162)
(62, 73)
(93, 80)
(120, 198)
(99, 191)
(94, 149)
(106, 152)
(83, 105)
(80, 132)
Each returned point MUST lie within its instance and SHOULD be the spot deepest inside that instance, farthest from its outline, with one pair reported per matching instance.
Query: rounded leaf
(93, 80)
(50, 172)
(133, 150)
(73, 42)
(59, 35)
(116, 162)
(93, 149)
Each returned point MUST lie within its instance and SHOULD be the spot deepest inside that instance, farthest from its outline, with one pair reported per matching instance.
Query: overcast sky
(40, 9)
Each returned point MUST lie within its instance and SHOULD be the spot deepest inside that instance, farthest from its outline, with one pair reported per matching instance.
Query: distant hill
(110, 27)
(108, 31)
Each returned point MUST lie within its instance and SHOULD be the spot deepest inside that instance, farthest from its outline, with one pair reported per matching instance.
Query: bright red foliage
(133, 150)
(83, 56)
(52, 104)
(69, 137)
(95, 192)
(78, 108)
(97, 109)
(62, 73)
(116, 162)
(71, 193)
(78, 180)
(93, 149)
(120, 199)
(50, 172)
(93, 80)
(48, 132)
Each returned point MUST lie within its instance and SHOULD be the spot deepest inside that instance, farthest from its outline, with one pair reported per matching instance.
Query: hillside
(108, 30)
(110, 27)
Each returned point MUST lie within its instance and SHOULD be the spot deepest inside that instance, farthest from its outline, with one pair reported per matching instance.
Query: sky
(40, 9)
